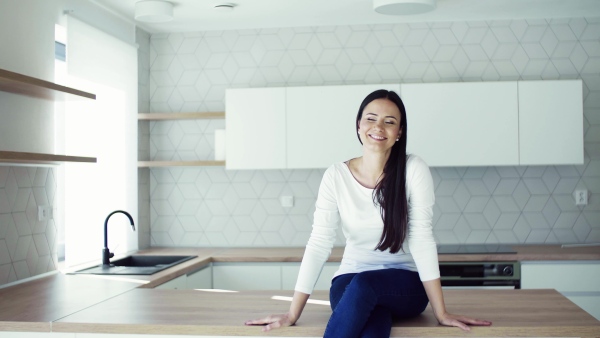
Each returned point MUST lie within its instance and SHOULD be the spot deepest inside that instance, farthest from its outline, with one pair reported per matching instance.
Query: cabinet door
(255, 124)
(551, 122)
(576, 280)
(247, 276)
(178, 283)
(463, 124)
(321, 122)
(289, 276)
(201, 279)
(579, 276)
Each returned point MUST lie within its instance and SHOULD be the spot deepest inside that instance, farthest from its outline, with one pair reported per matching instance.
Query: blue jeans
(364, 304)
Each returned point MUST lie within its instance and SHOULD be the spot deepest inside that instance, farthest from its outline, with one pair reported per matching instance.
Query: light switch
(287, 201)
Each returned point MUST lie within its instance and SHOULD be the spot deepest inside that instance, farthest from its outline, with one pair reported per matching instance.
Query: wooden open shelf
(26, 85)
(150, 164)
(181, 116)
(39, 158)
(31, 86)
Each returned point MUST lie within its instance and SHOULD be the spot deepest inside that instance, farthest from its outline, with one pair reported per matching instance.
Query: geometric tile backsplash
(211, 206)
(27, 246)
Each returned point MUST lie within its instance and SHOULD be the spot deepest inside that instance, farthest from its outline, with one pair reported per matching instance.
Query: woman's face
(379, 126)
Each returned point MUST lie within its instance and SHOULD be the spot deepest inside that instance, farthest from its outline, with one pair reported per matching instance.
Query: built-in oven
(491, 275)
(479, 274)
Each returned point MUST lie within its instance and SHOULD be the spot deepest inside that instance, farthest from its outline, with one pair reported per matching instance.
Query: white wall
(27, 246)
(27, 47)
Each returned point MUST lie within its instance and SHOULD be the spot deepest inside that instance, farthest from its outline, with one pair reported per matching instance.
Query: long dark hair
(390, 192)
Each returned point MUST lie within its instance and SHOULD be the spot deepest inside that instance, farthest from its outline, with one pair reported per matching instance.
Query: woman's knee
(338, 288)
(362, 285)
(354, 288)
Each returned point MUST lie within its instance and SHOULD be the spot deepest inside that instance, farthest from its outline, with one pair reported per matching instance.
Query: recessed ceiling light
(224, 7)
(403, 7)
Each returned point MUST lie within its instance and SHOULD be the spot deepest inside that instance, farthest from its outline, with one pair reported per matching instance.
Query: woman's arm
(318, 249)
(284, 319)
(433, 288)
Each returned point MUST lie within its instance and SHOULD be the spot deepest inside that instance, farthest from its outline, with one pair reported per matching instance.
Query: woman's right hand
(273, 321)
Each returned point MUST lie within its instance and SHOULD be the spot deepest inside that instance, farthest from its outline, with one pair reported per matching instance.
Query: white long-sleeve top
(342, 200)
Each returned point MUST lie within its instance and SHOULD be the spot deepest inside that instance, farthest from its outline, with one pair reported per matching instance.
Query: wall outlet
(45, 212)
(581, 197)
(287, 201)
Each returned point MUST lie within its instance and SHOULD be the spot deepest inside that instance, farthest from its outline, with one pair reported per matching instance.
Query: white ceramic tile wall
(214, 207)
(27, 246)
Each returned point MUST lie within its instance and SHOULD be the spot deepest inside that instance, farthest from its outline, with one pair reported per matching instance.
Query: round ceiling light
(403, 7)
(153, 11)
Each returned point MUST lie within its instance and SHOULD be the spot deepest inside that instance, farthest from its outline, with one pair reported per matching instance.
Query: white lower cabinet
(265, 276)
(178, 283)
(290, 275)
(576, 280)
(247, 276)
(201, 279)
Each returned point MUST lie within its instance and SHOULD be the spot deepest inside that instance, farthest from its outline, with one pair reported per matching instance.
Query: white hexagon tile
(27, 246)
(215, 207)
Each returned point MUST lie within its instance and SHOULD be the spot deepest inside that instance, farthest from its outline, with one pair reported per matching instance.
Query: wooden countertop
(294, 254)
(39, 305)
(532, 253)
(32, 306)
(513, 312)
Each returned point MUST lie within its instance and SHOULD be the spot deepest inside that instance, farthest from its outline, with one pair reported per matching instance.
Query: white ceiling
(198, 15)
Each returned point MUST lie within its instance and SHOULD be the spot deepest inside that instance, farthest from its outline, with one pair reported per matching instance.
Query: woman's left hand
(449, 319)
(436, 299)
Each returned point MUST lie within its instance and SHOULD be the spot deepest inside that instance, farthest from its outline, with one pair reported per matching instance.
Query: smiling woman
(383, 201)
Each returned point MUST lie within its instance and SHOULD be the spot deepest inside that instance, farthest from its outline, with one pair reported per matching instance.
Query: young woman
(383, 201)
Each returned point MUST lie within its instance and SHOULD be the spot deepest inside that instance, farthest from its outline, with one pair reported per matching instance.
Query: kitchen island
(129, 304)
(191, 312)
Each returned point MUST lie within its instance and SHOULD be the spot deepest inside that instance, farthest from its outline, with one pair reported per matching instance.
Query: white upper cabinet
(551, 122)
(255, 124)
(321, 123)
(463, 124)
(449, 124)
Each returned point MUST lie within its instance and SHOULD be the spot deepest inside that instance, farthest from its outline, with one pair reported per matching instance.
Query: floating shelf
(181, 116)
(150, 164)
(31, 86)
(39, 158)
(26, 85)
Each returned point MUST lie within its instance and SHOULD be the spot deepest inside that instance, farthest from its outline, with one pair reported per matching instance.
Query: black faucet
(106, 254)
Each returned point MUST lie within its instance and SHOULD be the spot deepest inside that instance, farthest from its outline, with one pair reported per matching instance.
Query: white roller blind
(107, 129)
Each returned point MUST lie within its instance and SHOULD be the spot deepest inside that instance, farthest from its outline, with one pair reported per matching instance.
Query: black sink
(136, 265)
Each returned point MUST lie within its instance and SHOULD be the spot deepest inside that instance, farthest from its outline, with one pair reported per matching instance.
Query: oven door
(480, 275)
